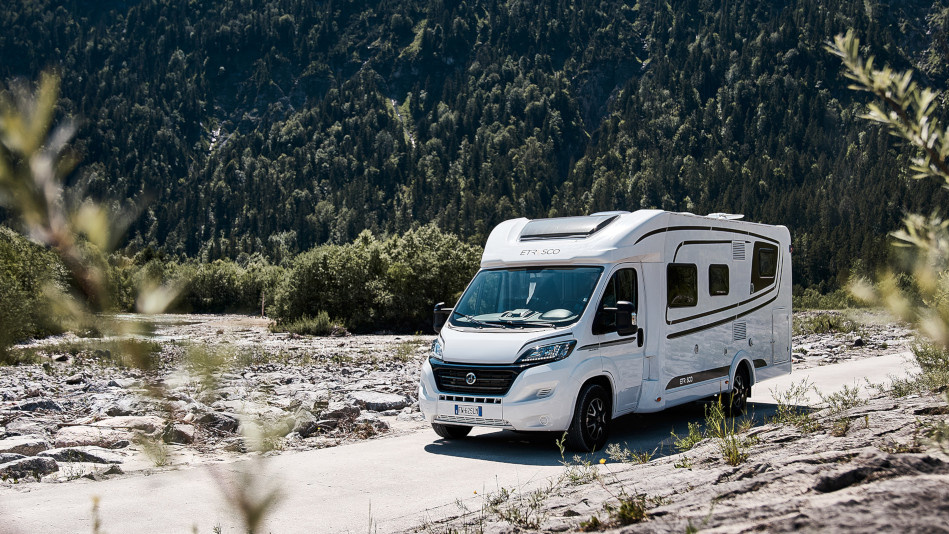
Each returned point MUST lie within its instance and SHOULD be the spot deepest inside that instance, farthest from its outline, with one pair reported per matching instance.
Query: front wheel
(590, 426)
(451, 431)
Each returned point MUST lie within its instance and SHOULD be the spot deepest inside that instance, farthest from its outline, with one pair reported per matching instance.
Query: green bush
(811, 299)
(372, 284)
(824, 323)
(320, 325)
(25, 269)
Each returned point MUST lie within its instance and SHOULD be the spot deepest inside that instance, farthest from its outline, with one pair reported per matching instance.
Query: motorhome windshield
(526, 297)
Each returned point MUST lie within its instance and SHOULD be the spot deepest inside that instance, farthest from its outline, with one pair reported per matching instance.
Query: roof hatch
(566, 227)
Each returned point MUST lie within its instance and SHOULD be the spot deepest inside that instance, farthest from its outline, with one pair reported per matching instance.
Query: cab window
(621, 287)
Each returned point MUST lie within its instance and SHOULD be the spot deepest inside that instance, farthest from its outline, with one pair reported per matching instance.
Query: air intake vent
(739, 330)
(738, 250)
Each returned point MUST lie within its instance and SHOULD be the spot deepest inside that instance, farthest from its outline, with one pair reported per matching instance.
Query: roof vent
(566, 227)
(726, 216)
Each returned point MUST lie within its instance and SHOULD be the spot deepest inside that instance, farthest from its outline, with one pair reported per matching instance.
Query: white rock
(74, 436)
(25, 445)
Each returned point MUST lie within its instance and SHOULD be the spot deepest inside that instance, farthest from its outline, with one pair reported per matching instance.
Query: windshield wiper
(522, 324)
(476, 321)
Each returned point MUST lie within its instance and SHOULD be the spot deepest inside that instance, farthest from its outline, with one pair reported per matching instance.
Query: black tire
(451, 431)
(590, 427)
(741, 389)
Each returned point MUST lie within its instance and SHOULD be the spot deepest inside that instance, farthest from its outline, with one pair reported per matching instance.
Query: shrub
(812, 299)
(25, 270)
(824, 323)
(320, 325)
(372, 284)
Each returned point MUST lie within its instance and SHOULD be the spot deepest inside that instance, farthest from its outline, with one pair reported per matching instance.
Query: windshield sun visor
(565, 227)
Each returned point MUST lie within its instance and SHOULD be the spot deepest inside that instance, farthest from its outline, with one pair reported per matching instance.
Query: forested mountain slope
(276, 125)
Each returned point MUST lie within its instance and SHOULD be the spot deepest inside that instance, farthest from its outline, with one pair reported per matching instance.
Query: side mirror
(440, 317)
(625, 318)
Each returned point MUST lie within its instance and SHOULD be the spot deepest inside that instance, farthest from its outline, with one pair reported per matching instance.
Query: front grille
(472, 420)
(475, 400)
(488, 380)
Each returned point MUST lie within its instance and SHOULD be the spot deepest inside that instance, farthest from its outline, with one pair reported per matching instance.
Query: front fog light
(547, 353)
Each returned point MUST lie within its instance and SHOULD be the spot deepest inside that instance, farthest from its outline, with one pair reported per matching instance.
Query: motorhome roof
(600, 238)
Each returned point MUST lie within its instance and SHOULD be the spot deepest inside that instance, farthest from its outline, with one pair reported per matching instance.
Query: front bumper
(541, 398)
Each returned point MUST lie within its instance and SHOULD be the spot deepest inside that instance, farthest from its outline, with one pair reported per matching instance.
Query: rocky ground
(868, 468)
(78, 411)
(851, 464)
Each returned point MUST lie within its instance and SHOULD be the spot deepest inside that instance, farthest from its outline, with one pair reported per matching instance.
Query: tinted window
(717, 279)
(682, 285)
(622, 286)
(764, 267)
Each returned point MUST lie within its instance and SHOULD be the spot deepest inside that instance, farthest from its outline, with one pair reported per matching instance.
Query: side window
(682, 285)
(764, 266)
(717, 280)
(622, 286)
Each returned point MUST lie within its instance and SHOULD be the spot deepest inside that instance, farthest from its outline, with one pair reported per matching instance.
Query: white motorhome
(573, 321)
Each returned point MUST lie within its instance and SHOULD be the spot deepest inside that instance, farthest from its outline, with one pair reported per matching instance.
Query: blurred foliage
(274, 126)
(919, 291)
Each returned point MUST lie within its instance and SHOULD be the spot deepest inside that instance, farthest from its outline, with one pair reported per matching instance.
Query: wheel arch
(742, 360)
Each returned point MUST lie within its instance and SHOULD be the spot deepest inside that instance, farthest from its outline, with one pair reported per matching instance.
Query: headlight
(547, 353)
(436, 350)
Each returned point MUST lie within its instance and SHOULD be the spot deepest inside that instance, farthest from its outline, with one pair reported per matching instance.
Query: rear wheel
(590, 426)
(451, 431)
(741, 390)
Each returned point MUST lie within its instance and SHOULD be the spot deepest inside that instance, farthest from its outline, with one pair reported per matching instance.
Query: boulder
(220, 421)
(123, 383)
(9, 457)
(305, 424)
(91, 454)
(180, 433)
(75, 436)
(75, 379)
(25, 468)
(45, 405)
(340, 410)
(120, 407)
(26, 426)
(378, 402)
(25, 445)
(145, 423)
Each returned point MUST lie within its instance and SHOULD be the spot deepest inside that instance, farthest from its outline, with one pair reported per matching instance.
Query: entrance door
(781, 335)
(623, 352)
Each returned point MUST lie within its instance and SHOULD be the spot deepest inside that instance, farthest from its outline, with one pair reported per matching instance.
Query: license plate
(468, 410)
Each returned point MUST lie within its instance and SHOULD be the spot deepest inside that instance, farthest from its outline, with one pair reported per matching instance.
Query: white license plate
(468, 410)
